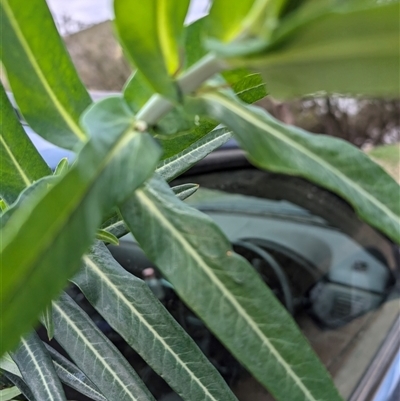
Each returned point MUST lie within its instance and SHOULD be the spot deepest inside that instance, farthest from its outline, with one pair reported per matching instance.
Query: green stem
(158, 106)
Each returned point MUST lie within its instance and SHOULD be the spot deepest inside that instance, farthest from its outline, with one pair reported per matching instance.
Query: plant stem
(158, 106)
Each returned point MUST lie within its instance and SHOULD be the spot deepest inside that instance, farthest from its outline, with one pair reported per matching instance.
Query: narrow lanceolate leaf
(7, 364)
(20, 163)
(95, 355)
(36, 190)
(37, 369)
(224, 25)
(170, 18)
(69, 214)
(137, 91)
(174, 166)
(20, 384)
(47, 89)
(47, 319)
(9, 393)
(153, 43)
(3, 205)
(227, 293)
(328, 162)
(248, 86)
(174, 144)
(73, 377)
(350, 47)
(106, 237)
(184, 191)
(62, 167)
(131, 308)
(193, 43)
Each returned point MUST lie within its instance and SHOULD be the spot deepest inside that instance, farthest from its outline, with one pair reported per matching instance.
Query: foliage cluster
(189, 81)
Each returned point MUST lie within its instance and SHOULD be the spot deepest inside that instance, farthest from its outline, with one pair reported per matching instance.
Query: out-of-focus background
(88, 33)
(87, 29)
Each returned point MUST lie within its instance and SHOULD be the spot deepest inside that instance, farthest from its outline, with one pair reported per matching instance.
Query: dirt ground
(98, 58)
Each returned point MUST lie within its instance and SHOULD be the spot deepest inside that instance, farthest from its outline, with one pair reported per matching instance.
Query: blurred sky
(89, 12)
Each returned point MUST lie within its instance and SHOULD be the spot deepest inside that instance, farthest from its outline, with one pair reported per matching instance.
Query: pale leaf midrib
(155, 212)
(243, 91)
(19, 168)
(248, 116)
(82, 383)
(76, 130)
(93, 350)
(163, 170)
(103, 277)
(113, 225)
(37, 367)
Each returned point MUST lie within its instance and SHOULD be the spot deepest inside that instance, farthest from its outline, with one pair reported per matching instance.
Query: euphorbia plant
(188, 81)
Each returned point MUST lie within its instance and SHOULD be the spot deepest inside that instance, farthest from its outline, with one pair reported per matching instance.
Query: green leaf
(193, 44)
(29, 194)
(224, 25)
(178, 128)
(22, 386)
(227, 293)
(130, 307)
(106, 236)
(174, 144)
(7, 364)
(64, 220)
(351, 48)
(153, 44)
(37, 369)
(170, 18)
(184, 191)
(249, 87)
(246, 19)
(329, 162)
(43, 79)
(115, 226)
(20, 163)
(95, 355)
(9, 393)
(47, 319)
(137, 91)
(62, 167)
(176, 165)
(73, 377)
(3, 205)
